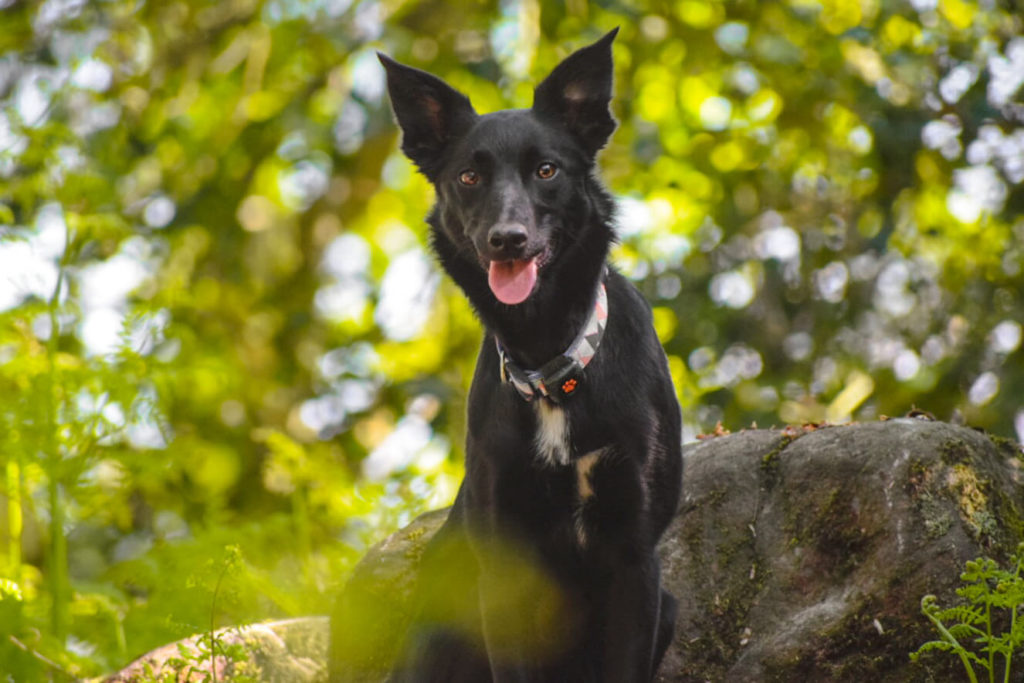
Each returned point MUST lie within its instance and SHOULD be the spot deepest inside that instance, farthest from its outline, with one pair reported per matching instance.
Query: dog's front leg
(632, 618)
(527, 623)
(630, 631)
(506, 612)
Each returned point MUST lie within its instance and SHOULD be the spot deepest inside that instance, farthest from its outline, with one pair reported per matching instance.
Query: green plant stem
(213, 615)
(957, 647)
(122, 642)
(58, 543)
(300, 511)
(58, 562)
(1013, 622)
(14, 521)
(988, 641)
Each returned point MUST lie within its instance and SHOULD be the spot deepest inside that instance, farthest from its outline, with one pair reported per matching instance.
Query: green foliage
(220, 325)
(213, 652)
(199, 664)
(994, 596)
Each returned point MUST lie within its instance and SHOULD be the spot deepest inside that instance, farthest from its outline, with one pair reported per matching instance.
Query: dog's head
(511, 186)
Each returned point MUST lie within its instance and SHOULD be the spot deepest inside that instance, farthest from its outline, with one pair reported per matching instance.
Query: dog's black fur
(581, 503)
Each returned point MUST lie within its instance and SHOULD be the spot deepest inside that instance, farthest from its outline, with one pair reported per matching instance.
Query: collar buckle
(525, 385)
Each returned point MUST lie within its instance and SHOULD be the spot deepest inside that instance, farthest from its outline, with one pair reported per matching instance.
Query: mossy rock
(293, 650)
(800, 554)
(814, 567)
(795, 555)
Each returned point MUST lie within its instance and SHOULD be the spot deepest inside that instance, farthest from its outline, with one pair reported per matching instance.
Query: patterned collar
(560, 378)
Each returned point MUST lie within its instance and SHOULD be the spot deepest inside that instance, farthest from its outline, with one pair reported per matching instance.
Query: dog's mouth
(513, 281)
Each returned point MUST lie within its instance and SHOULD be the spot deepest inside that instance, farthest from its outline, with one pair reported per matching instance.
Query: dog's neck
(548, 322)
(545, 325)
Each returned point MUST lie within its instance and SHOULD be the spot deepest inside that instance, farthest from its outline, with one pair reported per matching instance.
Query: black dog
(573, 456)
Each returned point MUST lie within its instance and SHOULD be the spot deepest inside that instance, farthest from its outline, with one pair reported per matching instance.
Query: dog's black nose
(507, 237)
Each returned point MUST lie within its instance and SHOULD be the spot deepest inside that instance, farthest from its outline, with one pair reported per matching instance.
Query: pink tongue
(512, 281)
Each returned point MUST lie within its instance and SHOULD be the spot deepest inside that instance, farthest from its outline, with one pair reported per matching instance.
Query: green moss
(719, 552)
(1010, 515)
(770, 461)
(971, 495)
(835, 532)
(417, 544)
(1006, 446)
(854, 650)
(931, 488)
(955, 451)
(937, 520)
(918, 471)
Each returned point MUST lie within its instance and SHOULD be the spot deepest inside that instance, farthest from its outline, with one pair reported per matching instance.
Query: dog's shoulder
(626, 301)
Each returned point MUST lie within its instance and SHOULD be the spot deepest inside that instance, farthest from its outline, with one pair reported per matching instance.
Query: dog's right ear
(429, 111)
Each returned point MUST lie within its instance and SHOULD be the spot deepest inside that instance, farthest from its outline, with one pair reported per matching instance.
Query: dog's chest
(553, 443)
(553, 437)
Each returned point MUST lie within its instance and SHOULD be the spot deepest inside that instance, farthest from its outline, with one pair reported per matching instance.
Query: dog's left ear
(576, 94)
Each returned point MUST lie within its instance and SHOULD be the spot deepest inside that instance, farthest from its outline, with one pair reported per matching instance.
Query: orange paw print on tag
(568, 386)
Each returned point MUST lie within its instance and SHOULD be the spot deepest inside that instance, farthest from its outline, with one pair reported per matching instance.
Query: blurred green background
(228, 362)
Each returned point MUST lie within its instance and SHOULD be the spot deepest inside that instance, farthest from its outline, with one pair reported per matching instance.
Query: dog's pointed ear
(576, 94)
(429, 111)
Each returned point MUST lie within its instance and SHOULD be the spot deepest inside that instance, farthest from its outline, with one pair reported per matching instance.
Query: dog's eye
(547, 171)
(469, 177)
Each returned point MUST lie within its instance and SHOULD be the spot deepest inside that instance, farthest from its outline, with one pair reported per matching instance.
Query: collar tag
(562, 382)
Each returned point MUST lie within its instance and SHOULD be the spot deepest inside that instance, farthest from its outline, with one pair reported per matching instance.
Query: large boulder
(799, 554)
(290, 650)
(804, 554)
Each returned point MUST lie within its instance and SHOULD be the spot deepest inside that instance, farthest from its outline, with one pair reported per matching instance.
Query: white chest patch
(552, 439)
